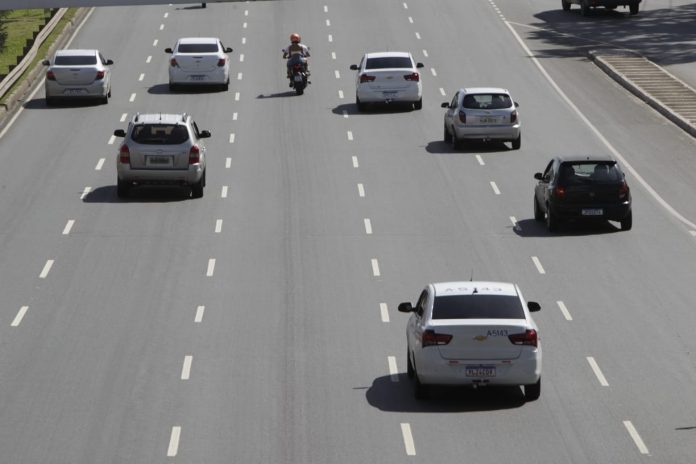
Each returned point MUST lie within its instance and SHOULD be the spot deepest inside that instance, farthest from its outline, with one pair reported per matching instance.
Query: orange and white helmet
(295, 38)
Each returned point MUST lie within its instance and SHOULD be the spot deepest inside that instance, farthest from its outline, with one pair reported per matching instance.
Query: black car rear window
(198, 48)
(589, 173)
(489, 101)
(389, 62)
(159, 134)
(76, 60)
(477, 307)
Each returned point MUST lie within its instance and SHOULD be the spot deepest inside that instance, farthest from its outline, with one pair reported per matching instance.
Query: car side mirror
(444, 105)
(168, 50)
(419, 65)
(517, 105)
(405, 307)
(533, 306)
(119, 133)
(46, 63)
(228, 50)
(354, 67)
(538, 176)
(204, 134)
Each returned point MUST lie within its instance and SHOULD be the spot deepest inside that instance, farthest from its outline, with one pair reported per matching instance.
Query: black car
(582, 189)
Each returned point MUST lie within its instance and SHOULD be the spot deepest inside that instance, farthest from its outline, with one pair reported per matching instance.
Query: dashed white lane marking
(236, 96)
(232, 137)
(218, 226)
(141, 77)
(330, 38)
(337, 74)
(636, 438)
(112, 139)
(328, 23)
(333, 55)
(442, 91)
(234, 116)
(384, 312)
(211, 268)
(425, 53)
(155, 42)
(393, 370)
(408, 439)
(597, 371)
(46, 269)
(410, 20)
(100, 164)
(340, 94)
(186, 368)
(418, 36)
(345, 113)
(434, 73)
(375, 267)
(355, 162)
(405, 6)
(68, 227)
(228, 163)
(538, 265)
(161, 27)
(85, 192)
(326, 9)
(20, 315)
(243, 40)
(515, 226)
(200, 310)
(350, 135)
(244, 26)
(368, 226)
(693, 233)
(223, 192)
(124, 116)
(361, 190)
(480, 160)
(173, 448)
(166, 15)
(246, 12)
(564, 310)
(132, 98)
(149, 59)
(239, 76)
(494, 186)
(241, 57)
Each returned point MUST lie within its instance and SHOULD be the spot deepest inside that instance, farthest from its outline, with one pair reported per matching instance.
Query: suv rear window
(389, 62)
(198, 48)
(477, 307)
(590, 173)
(159, 134)
(75, 60)
(487, 101)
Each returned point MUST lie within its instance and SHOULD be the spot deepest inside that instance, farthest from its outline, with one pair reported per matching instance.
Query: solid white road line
(223, 192)
(368, 226)
(20, 315)
(337, 74)
(330, 38)
(46, 269)
(597, 371)
(393, 370)
(68, 227)
(85, 192)
(480, 160)
(174, 442)
(375, 267)
(124, 116)
(218, 226)
(112, 139)
(100, 164)
(355, 162)
(384, 312)
(564, 310)
(495, 188)
(340, 94)
(361, 190)
(538, 265)
(186, 368)
(232, 137)
(228, 163)
(132, 98)
(636, 438)
(200, 310)
(408, 439)
(211, 268)
(350, 135)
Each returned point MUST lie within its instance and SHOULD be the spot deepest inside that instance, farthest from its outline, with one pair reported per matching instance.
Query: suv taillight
(529, 337)
(623, 191)
(430, 337)
(366, 78)
(124, 154)
(415, 77)
(221, 62)
(173, 63)
(50, 76)
(194, 155)
(100, 75)
(462, 117)
(559, 192)
(513, 117)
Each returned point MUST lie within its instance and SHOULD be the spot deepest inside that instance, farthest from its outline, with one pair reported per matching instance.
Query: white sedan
(387, 77)
(473, 334)
(78, 74)
(199, 61)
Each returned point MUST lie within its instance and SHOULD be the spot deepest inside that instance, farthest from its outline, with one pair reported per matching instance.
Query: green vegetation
(16, 27)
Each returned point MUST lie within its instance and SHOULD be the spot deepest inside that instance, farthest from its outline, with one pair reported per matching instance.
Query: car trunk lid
(482, 339)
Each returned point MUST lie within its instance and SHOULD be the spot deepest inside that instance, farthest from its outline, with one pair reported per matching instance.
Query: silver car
(161, 149)
(482, 113)
(199, 61)
(78, 74)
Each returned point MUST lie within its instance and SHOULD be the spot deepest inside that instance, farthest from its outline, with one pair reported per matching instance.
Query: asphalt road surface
(259, 325)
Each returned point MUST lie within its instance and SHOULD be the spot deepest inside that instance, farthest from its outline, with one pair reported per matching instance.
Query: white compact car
(475, 334)
(388, 77)
(199, 61)
(78, 74)
(482, 113)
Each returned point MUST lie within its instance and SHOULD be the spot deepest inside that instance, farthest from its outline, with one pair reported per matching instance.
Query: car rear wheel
(197, 188)
(50, 101)
(533, 391)
(627, 222)
(172, 87)
(420, 391)
(419, 104)
(456, 144)
(517, 143)
(584, 8)
(409, 366)
(122, 188)
(633, 8)
(538, 213)
(447, 136)
(565, 4)
(361, 105)
(551, 220)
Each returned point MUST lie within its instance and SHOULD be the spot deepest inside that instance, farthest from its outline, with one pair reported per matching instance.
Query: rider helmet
(295, 37)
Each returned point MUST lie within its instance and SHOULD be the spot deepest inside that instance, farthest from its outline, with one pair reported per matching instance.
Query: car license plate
(592, 212)
(159, 161)
(298, 78)
(488, 120)
(389, 93)
(197, 77)
(480, 371)
(73, 91)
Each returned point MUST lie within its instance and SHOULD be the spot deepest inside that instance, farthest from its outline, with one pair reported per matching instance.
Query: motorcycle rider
(296, 51)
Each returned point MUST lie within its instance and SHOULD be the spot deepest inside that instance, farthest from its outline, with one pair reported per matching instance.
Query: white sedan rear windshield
(159, 134)
(76, 60)
(198, 48)
(478, 307)
(389, 62)
(489, 101)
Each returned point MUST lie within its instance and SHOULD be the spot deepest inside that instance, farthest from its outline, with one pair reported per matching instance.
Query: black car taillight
(513, 117)
(366, 78)
(559, 192)
(430, 337)
(623, 191)
(529, 337)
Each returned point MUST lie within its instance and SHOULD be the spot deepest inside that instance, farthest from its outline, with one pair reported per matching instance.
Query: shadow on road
(442, 147)
(163, 89)
(144, 194)
(532, 228)
(287, 93)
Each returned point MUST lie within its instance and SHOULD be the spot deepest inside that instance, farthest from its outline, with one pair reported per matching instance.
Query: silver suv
(164, 149)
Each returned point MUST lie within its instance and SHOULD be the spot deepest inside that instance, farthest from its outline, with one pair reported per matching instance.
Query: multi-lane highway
(259, 325)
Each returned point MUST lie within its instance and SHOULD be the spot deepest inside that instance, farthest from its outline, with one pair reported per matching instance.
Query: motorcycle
(298, 74)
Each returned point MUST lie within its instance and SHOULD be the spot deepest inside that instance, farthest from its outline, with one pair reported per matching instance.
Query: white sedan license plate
(159, 161)
(197, 77)
(488, 120)
(74, 91)
(480, 371)
(592, 212)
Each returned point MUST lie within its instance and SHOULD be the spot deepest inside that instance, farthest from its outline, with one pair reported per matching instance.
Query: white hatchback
(199, 61)
(78, 74)
(387, 77)
(475, 334)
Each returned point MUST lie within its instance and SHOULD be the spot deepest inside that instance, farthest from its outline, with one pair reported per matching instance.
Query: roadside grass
(18, 26)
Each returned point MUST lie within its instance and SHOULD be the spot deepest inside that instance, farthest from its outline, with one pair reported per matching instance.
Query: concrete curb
(598, 56)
